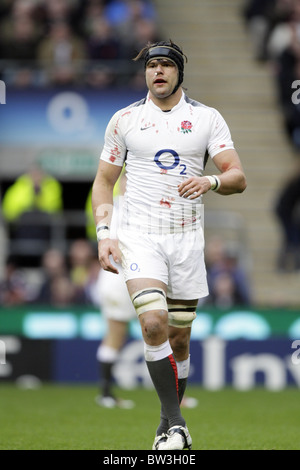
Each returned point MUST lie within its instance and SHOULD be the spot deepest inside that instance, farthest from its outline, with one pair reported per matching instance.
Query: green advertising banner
(88, 323)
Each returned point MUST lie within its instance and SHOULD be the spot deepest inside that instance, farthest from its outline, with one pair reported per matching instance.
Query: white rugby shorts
(177, 259)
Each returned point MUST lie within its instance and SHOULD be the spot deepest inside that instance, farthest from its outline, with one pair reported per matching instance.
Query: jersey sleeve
(114, 149)
(220, 137)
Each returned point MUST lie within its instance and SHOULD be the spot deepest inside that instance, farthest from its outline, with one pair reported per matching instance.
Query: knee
(154, 326)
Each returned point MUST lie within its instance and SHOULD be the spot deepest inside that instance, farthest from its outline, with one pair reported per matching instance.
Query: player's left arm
(231, 176)
(230, 179)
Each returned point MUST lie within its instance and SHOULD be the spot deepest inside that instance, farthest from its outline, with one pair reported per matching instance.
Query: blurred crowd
(74, 42)
(64, 279)
(274, 29)
(72, 278)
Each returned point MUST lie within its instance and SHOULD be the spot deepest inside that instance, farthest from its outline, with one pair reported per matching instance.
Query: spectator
(287, 211)
(81, 259)
(227, 281)
(136, 33)
(104, 51)
(32, 190)
(261, 17)
(119, 12)
(102, 42)
(283, 34)
(91, 294)
(91, 9)
(21, 44)
(288, 71)
(62, 54)
(19, 11)
(62, 292)
(13, 287)
(34, 196)
(61, 11)
(53, 267)
(224, 293)
(138, 25)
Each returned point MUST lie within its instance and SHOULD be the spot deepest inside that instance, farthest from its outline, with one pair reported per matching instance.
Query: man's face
(161, 77)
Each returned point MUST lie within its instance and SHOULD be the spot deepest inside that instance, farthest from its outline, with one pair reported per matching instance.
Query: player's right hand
(107, 248)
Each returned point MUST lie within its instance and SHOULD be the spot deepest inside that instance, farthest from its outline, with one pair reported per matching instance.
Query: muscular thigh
(134, 285)
(142, 259)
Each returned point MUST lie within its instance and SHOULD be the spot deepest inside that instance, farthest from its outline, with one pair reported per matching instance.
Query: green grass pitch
(56, 417)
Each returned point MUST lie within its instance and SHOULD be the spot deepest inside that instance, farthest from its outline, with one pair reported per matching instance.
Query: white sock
(155, 353)
(183, 368)
(107, 353)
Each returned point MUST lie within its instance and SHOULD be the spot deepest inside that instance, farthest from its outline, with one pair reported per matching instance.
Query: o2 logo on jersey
(135, 267)
(176, 162)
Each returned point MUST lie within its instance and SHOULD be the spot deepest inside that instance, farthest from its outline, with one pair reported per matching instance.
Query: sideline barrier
(238, 348)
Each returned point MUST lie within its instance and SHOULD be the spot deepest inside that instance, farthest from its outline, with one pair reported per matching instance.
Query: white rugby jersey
(160, 150)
